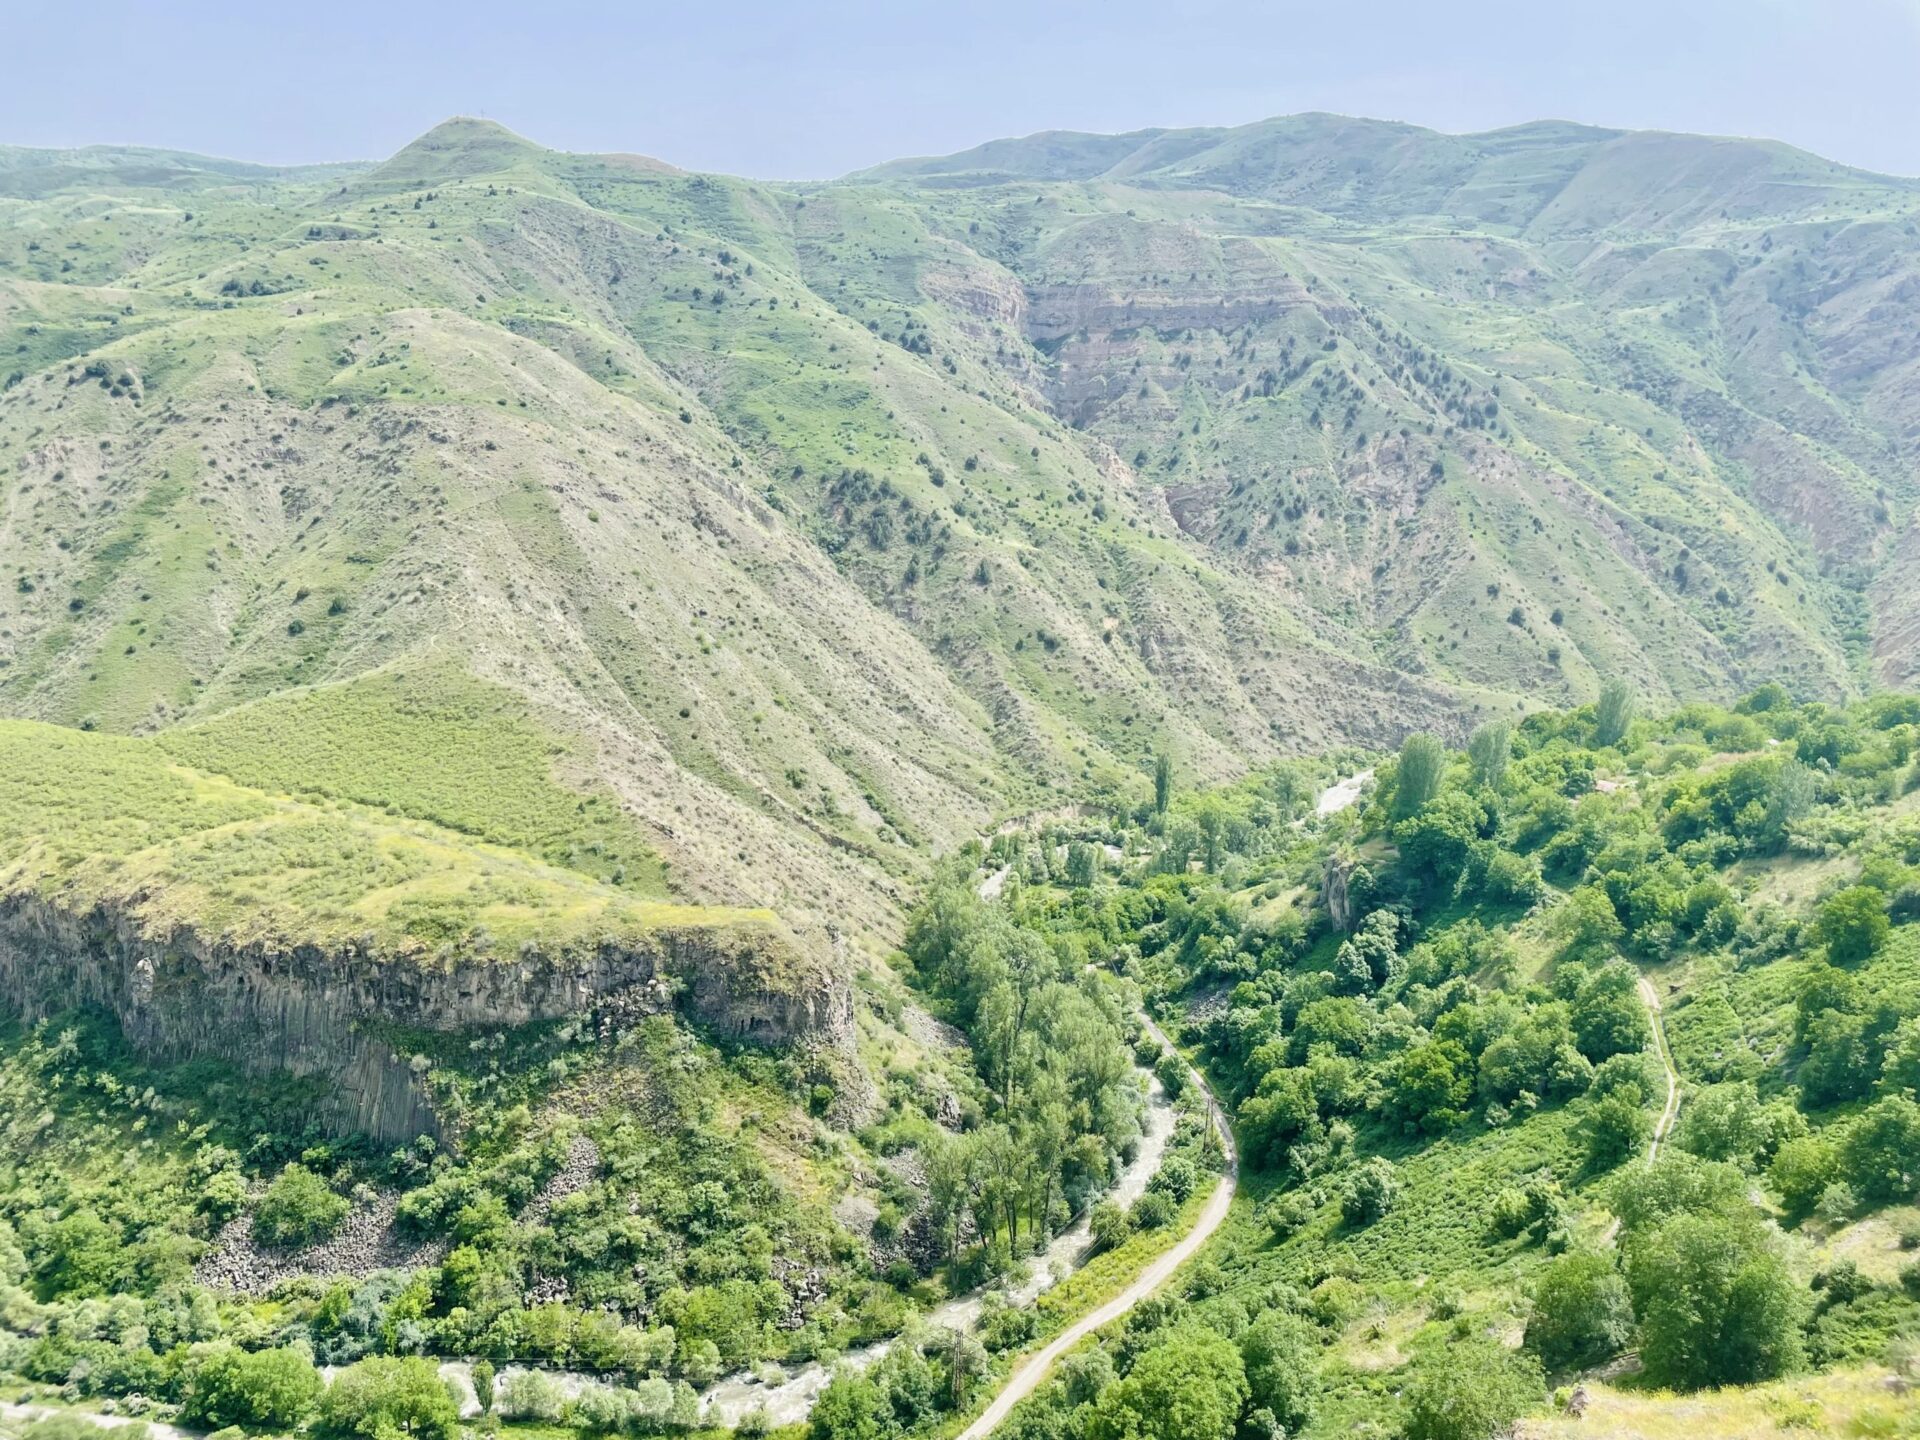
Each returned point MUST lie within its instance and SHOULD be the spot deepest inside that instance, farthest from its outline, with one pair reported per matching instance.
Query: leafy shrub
(1175, 1177)
(1853, 924)
(1281, 1358)
(1471, 1390)
(299, 1207)
(1370, 1192)
(1715, 1302)
(1190, 1386)
(1152, 1210)
(1109, 1225)
(1288, 1212)
(531, 1395)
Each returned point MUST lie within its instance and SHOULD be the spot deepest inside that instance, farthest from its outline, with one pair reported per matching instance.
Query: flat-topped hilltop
(213, 917)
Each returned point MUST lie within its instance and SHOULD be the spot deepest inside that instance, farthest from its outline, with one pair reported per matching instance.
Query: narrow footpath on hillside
(1670, 1112)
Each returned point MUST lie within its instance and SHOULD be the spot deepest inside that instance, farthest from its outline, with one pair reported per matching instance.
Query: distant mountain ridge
(1519, 177)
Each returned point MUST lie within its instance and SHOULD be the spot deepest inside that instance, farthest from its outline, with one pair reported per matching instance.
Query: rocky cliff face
(321, 1010)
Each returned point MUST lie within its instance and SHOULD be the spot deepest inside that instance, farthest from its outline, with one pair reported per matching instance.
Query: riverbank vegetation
(1425, 1014)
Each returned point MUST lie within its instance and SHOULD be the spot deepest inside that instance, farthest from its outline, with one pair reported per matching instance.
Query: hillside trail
(1670, 1112)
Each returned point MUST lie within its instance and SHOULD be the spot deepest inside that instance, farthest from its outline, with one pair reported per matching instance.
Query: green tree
(1162, 782)
(851, 1407)
(1728, 1122)
(1211, 819)
(384, 1398)
(1581, 1312)
(1823, 988)
(1802, 1171)
(1489, 750)
(259, 1390)
(1880, 1152)
(1613, 1129)
(1853, 924)
(1676, 1184)
(1370, 1193)
(1281, 1110)
(1789, 798)
(1423, 764)
(1585, 924)
(1368, 958)
(1840, 1062)
(1431, 1086)
(1281, 1354)
(1900, 1070)
(1612, 713)
(532, 1395)
(298, 1207)
(1472, 1390)
(81, 1255)
(1714, 1300)
(1437, 839)
(483, 1385)
(1083, 865)
(1109, 1224)
(1607, 1014)
(1190, 1385)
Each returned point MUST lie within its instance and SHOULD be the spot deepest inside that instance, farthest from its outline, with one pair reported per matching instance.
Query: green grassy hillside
(817, 525)
(497, 545)
(96, 820)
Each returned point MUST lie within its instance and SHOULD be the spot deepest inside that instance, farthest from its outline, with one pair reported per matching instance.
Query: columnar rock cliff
(331, 1012)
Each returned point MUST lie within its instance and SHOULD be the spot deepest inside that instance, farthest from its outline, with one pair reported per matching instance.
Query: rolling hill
(814, 526)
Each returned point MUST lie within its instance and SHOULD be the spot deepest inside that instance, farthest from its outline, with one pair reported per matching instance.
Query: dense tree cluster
(1050, 1040)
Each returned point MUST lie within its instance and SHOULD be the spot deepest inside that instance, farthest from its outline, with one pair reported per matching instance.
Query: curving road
(1033, 1369)
(1028, 1374)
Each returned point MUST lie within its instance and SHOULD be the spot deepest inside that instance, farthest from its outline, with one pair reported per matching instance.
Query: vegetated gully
(1034, 1368)
(790, 1400)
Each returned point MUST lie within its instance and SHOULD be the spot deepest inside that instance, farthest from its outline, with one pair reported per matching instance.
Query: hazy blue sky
(812, 90)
